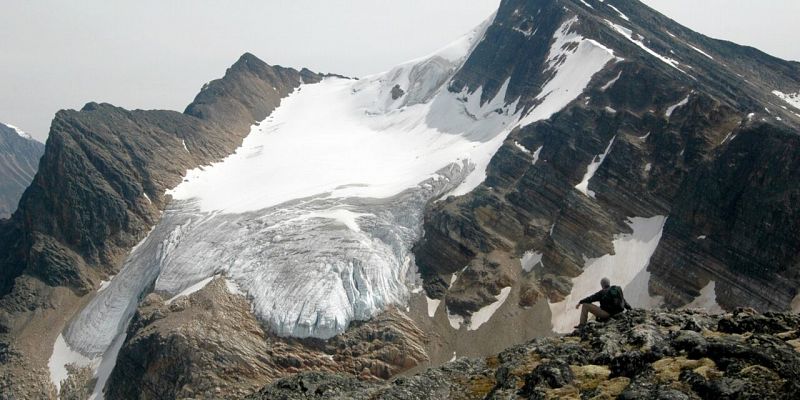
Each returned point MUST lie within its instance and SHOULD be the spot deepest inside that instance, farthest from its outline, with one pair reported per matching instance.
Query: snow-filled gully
(313, 218)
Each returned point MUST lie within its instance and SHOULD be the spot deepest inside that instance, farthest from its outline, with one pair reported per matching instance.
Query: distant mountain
(19, 159)
(458, 204)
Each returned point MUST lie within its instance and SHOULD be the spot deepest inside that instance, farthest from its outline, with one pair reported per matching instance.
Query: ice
(575, 60)
(626, 268)
(483, 315)
(62, 356)
(671, 109)
(433, 305)
(707, 300)
(530, 259)
(628, 34)
(611, 82)
(792, 98)
(233, 288)
(106, 366)
(623, 16)
(701, 52)
(592, 168)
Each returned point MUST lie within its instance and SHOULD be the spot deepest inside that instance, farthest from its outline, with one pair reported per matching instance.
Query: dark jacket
(607, 302)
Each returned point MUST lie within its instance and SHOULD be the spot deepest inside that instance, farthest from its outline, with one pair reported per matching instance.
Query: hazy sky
(157, 54)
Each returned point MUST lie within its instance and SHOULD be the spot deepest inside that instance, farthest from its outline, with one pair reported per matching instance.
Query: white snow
(593, 166)
(623, 16)
(62, 356)
(20, 132)
(610, 110)
(611, 82)
(455, 320)
(183, 142)
(530, 259)
(648, 167)
(107, 363)
(234, 288)
(587, 4)
(521, 147)
(626, 268)
(433, 305)
(707, 300)
(104, 284)
(701, 52)
(146, 197)
(702, 237)
(536, 155)
(454, 357)
(792, 98)
(628, 34)
(483, 315)
(671, 109)
(192, 289)
(575, 60)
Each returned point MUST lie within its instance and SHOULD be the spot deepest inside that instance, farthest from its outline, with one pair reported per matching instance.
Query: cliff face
(19, 159)
(100, 188)
(638, 355)
(679, 127)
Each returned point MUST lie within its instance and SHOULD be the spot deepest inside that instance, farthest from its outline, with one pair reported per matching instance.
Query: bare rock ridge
(19, 159)
(692, 130)
(639, 355)
(100, 188)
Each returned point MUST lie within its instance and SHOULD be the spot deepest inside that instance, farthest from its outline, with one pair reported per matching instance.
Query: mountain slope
(19, 159)
(646, 139)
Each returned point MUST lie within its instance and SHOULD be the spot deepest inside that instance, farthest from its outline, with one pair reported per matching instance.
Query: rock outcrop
(19, 160)
(209, 345)
(638, 355)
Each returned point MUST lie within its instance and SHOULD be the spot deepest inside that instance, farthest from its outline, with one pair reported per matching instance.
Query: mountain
(453, 206)
(19, 158)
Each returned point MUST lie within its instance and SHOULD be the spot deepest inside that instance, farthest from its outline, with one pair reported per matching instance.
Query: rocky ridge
(638, 355)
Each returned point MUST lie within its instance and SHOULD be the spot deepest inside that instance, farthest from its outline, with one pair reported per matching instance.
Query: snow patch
(611, 82)
(62, 356)
(707, 300)
(191, 289)
(623, 16)
(628, 34)
(536, 155)
(701, 52)
(575, 61)
(104, 284)
(530, 259)
(433, 305)
(587, 4)
(792, 98)
(483, 315)
(19, 132)
(671, 109)
(625, 268)
(597, 161)
(702, 237)
(521, 147)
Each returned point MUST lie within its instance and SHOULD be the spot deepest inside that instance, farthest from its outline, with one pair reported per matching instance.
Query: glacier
(313, 218)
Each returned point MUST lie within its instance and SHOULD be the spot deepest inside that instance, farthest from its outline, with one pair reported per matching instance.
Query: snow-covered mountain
(19, 159)
(453, 205)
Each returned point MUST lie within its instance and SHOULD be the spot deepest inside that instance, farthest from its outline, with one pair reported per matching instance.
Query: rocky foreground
(641, 355)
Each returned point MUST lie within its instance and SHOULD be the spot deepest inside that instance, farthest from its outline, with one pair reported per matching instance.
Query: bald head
(605, 283)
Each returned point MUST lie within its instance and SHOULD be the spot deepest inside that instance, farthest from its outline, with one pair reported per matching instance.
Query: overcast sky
(157, 54)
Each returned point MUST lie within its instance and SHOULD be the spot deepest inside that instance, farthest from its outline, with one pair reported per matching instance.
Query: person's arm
(591, 299)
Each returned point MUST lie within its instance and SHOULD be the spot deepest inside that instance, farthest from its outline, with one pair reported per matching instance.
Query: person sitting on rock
(612, 302)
